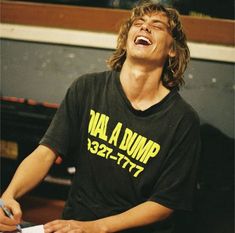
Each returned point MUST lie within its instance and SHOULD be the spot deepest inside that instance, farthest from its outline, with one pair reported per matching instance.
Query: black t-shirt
(124, 156)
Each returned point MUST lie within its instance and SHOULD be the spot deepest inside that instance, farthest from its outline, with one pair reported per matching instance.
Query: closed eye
(158, 26)
(138, 22)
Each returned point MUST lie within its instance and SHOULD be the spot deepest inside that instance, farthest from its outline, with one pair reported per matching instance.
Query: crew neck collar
(149, 111)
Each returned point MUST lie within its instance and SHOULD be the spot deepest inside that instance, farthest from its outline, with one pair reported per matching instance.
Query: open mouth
(141, 40)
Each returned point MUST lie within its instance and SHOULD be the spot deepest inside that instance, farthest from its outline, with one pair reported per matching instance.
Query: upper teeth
(142, 38)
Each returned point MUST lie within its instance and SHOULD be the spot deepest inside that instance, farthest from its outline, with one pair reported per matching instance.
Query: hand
(72, 226)
(6, 223)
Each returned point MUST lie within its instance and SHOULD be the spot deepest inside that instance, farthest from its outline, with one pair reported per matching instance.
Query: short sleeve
(61, 134)
(176, 185)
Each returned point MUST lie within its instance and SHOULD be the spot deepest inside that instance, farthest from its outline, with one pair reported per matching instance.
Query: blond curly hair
(174, 67)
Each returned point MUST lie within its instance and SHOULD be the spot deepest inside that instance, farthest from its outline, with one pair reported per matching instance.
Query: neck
(142, 85)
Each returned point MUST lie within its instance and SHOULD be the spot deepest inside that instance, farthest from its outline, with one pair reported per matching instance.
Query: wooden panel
(205, 30)
(215, 31)
(73, 17)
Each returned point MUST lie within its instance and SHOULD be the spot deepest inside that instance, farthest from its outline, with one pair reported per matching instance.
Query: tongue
(142, 42)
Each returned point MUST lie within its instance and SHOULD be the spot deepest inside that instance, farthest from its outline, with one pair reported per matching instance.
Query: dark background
(212, 8)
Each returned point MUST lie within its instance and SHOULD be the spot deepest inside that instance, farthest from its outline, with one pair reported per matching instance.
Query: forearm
(141, 215)
(30, 172)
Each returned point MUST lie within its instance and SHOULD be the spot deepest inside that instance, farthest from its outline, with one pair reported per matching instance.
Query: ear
(172, 52)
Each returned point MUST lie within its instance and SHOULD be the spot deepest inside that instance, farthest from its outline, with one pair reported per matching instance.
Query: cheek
(166, 45)
(130, 35)
(127, 45)
(129, 41)
(169, 43)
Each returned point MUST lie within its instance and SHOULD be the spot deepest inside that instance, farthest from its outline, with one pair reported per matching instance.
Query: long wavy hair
(174, 67)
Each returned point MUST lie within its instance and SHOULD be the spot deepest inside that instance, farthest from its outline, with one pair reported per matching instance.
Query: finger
(65, 229)
(7, 224)
(54, 226)
(58, 229)
(4, 227)
(14, 207)
(16, 211)
(76, 231)
(53, 223)
(7, 221)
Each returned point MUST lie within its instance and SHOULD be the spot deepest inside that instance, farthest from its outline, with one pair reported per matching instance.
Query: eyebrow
(159, 21)
(154, 21)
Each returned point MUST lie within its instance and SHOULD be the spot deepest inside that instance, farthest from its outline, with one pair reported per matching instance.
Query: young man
(134, 139)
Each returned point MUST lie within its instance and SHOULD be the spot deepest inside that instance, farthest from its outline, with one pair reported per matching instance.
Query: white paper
(34, 229)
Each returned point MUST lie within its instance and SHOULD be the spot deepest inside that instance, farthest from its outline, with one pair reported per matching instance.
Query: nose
(145, 26)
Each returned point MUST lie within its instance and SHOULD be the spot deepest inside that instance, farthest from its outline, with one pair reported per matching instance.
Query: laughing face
(149, 40)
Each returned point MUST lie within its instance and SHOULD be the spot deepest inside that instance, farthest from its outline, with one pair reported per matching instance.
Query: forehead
(156, 15)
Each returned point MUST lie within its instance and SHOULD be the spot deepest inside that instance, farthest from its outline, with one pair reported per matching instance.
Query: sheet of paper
(34, 229)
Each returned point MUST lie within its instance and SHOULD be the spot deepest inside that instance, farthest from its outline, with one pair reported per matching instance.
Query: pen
(8, 214)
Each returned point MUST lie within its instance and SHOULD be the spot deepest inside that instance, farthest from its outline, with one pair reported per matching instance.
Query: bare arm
(141, 215)
(30, 172)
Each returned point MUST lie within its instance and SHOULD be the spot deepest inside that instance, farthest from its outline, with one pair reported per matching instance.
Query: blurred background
(209, 8)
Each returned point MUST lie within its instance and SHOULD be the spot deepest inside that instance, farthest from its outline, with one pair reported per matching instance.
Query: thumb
(16, 211)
